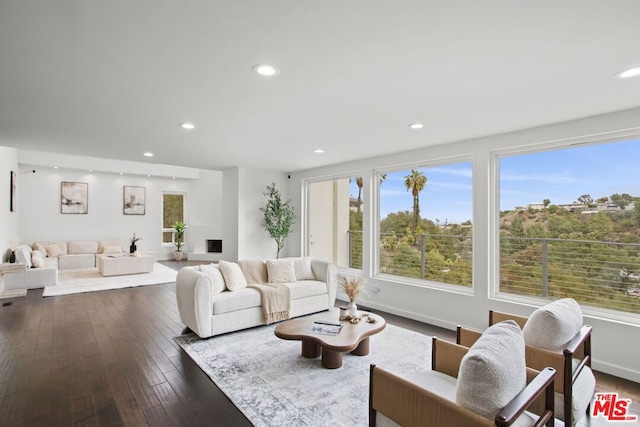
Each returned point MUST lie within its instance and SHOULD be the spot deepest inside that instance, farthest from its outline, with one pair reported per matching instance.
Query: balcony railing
(438, 257)
(601, 274)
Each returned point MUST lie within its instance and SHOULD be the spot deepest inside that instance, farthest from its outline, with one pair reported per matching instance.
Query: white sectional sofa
(77, 253)
(214, 301)
(44, 259)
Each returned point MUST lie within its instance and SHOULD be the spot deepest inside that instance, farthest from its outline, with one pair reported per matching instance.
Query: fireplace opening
(214, 246)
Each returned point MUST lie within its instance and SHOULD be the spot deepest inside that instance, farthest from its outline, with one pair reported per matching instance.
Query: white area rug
(90, 280)
(273, 385)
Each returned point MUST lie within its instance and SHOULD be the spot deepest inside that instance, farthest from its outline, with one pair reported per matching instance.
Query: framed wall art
(134, 200)
(74, 198)
(12, 195)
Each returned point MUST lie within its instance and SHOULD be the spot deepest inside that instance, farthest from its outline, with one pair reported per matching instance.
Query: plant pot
(133, 248)
(178, 255)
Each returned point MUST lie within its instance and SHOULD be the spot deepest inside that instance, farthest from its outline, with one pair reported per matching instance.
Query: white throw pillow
(302, 268)
(493, 371)
(37, 259)
(53, 250)
(553, 325)
(215, 275)
(40, 247)
(23, 255)
(281, 270)
(232, 274)
(110, 250)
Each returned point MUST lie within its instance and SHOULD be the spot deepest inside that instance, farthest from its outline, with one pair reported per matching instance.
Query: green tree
(279, 216)
(600, 226)
(586, 200)
(558, 226)
(415, 183)
(636, 211)
(359, 183)
(622, 200)
(517, 227)
(397, 222)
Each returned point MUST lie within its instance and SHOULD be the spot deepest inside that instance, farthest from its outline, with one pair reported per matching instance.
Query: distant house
(575, 206)
(353, 204)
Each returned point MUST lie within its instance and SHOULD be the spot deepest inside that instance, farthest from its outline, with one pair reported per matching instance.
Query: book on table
(326, 327)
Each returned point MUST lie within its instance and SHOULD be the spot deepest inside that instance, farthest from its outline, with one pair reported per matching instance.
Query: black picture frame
(13, 185)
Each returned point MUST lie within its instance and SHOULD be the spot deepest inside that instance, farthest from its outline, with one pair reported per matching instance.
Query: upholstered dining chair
(555, 336)
(485, 385)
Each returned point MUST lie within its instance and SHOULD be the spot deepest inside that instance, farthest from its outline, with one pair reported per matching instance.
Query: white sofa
(44, 259)
(77, 253)
(210, 304)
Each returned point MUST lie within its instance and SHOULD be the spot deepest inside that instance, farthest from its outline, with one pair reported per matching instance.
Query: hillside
(622, 226)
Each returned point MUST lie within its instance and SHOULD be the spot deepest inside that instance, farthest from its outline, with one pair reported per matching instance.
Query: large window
(570, 225)
(425, 223)
(334, 221)
(172, 211)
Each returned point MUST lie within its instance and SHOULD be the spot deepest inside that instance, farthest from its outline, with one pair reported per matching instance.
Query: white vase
(353, 309)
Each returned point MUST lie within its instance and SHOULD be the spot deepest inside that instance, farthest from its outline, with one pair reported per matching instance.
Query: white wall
(8, 220)
(253, 240)
(243, 197)
(204, 203)
(39, 202)
(448, 308)
(230, 201)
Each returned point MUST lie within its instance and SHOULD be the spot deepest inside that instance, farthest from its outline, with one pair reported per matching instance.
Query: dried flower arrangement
(351, 286)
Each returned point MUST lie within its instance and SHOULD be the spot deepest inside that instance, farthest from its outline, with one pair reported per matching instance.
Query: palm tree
(359, 183)
(415, 182)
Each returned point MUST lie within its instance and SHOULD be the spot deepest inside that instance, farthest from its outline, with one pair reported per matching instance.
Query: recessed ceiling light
(627, 74)
(266, 70)
(55, 167)
(90, 170)
(148, 175)
(121, 173)
(148, 154)
(318, 151)
(173, 177)
(416, 125)
(187, 126)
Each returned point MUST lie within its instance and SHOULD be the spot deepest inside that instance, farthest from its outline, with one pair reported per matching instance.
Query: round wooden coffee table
(352, 338)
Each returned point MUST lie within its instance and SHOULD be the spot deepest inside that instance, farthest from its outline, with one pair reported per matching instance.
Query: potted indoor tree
(180, 228)
(279, 217)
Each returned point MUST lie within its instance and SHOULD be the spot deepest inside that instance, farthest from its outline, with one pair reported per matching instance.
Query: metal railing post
(545, 281)
(350, 247)
(422, 256)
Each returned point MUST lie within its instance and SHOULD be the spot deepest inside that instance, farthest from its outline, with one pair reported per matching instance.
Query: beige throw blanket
(275, 301)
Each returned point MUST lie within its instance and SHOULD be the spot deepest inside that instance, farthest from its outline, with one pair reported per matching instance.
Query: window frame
(305, 241)
(494, 215)
(375, 225)
(171, 229)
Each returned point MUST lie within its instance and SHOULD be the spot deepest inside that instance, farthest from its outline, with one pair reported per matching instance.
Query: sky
(559, 175)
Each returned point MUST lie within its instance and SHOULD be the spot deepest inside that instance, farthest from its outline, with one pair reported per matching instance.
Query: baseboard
(13, 293)
(616, 371)
(410, 315)
(202, 256)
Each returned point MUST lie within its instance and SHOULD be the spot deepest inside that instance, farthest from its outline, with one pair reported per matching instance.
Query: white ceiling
(115, 78)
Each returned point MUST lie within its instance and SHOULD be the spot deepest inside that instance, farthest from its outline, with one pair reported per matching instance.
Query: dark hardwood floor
(108, 358)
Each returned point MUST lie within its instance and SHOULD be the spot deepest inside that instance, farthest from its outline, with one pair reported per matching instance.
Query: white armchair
(485, 385)
(555, 336)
